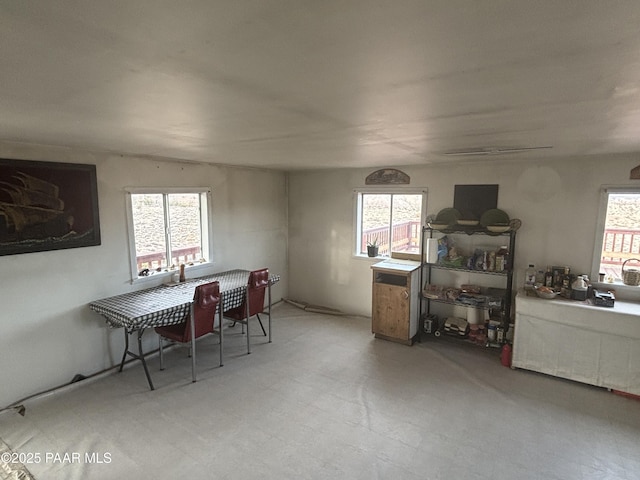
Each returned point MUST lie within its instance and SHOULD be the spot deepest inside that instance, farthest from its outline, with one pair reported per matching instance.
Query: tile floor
(326, 400)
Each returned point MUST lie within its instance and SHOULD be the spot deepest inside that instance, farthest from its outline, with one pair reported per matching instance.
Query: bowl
(498, 228)
(438, 226)
(494, 217)
(448, 216)
(549, 295)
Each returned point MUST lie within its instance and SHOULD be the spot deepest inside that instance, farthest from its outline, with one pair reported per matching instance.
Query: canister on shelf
(491, 332)
(500, 334)
(502, 258)
(491, 265)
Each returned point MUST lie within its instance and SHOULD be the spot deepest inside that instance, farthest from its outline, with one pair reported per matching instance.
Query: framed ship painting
(47, 206)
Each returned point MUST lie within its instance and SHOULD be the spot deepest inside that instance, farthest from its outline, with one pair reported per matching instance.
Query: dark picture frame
(473, 200)
(47, 206)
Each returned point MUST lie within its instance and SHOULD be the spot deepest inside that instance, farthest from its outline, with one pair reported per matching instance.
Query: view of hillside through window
(152, 236)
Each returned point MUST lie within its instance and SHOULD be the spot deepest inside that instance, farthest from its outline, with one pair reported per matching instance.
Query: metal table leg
(220, 329)
(247, 320)
(269, 294)
(126, 348)
(139, 355)
(193, 342)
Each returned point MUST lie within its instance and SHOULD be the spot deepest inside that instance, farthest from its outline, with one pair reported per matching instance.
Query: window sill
(379, 258)
(190, 271)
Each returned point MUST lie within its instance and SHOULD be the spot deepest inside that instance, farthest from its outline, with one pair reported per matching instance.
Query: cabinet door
(391, 311)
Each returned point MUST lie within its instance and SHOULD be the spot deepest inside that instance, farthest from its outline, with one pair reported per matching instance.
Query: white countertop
(397, 265)
(621, 319)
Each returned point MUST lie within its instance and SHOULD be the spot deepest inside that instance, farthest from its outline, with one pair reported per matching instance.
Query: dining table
(169, 304)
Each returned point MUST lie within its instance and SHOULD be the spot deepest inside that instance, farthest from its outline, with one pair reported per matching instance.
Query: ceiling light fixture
(494, 151)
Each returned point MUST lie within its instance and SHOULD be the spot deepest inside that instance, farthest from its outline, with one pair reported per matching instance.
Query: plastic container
(510, 332)
(579, 288)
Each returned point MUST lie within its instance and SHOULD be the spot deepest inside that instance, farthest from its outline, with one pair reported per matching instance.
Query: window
(618, 233)
(393, 219)
(168, 227)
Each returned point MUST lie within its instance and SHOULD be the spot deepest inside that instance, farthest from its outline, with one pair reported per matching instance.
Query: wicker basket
(631, 276)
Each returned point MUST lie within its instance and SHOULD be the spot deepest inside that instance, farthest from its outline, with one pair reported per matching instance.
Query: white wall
(557, 202)
(48, 332)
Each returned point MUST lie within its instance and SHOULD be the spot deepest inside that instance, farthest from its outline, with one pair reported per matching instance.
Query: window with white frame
(618, 236)
(391, 219)
(167, 228)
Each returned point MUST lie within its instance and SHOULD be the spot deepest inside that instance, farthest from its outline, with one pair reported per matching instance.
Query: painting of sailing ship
(47, 206)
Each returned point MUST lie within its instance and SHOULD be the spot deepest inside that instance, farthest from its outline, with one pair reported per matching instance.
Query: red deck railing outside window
(619, 245)
(182, 255)
(404, 237)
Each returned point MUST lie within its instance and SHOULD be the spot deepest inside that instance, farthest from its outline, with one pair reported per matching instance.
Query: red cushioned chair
(205, 302)
(253, 304)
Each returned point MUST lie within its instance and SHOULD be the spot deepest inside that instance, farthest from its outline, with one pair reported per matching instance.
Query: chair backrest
(205, 301)
(258, 282)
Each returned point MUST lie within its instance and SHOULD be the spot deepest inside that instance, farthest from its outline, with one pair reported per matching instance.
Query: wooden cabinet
(394, 312)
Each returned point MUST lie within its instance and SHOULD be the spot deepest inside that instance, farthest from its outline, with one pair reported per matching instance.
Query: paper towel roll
(475, 316)
(431, 250)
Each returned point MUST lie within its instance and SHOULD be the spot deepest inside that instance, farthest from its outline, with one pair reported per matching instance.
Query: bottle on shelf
(502, 259)
(565, 289)
(530, 277)
(548, 278)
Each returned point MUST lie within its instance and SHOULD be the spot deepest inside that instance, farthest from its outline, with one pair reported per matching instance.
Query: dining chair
(253, 303)
(206, 300)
